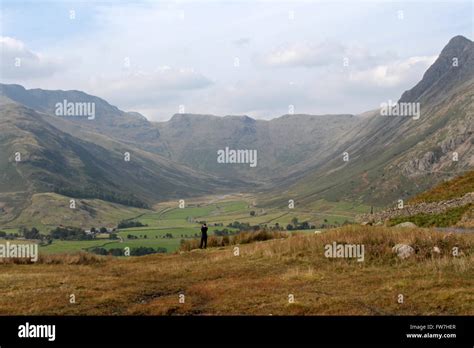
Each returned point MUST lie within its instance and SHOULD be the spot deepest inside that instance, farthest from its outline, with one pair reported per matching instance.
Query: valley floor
(259, 281)
(167, 224)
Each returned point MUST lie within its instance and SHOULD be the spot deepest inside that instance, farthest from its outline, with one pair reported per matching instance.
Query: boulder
(403, 251)
(405, 225)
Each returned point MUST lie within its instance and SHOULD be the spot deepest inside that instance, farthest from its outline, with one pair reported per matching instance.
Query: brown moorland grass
(240, 238)
(259, 281)
(450, 189)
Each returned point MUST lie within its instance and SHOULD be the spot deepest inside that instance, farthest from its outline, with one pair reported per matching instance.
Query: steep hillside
(46, 211)
(284, 145)
(37, 157)
(395, 157)
(129, 128)
(301, 157)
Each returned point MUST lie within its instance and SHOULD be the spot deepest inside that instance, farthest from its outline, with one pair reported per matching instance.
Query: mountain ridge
(300, 156)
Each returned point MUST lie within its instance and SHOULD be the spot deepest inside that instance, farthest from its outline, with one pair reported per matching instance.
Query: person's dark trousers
(203, 241)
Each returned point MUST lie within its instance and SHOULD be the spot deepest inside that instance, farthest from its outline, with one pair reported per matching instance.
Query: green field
(62, 246)
(168, 224)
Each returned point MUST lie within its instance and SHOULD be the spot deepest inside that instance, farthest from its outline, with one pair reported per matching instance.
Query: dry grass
(77, 258)
(215, 282)
(241, 238)
(453, 188)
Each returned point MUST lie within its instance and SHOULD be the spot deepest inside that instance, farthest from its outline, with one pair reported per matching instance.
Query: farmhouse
(95, 230)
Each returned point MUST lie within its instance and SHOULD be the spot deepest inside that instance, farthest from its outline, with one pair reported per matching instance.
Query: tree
(116, 252)
(252, 213)
(294, 221)
(69, 233)
(103, 230)
(305, 225)
(30, 234)
(129, 223)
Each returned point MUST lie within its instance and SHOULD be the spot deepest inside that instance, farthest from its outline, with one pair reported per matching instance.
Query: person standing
(203, 236)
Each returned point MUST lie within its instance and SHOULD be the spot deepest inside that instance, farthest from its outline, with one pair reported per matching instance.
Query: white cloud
(282, 62)
(18, 62)
(242, 41)
(304, 54)
(143, 89)
(323, 54)
(395, 73)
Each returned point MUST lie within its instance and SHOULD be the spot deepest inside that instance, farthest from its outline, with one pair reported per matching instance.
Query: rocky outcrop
(403, 251)
(407, 224)
(420, 208)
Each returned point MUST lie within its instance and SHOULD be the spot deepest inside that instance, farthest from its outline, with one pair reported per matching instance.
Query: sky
(257, 58)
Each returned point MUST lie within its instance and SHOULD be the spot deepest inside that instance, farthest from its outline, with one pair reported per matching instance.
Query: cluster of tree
(130, 223)
(147, 250)
(32, 233)
(277, 227)
(70, 233)
(140, 251)
(103, 251)
(335, 224)
(131, 236)
(168, 235)
(96, 192)
(224, 232)
(100, 230)
(295, 225)
(243, 226)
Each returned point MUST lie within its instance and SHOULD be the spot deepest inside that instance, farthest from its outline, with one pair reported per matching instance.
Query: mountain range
(368, 159)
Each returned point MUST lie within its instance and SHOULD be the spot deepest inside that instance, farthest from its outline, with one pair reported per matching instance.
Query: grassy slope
(454, 188)
(258, 281)
(449, 218)
(48, 210)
